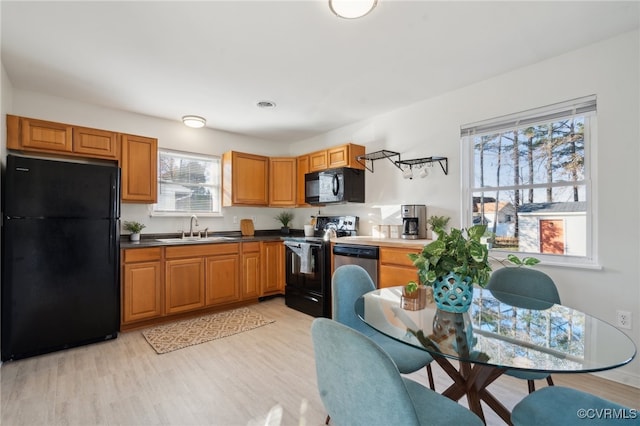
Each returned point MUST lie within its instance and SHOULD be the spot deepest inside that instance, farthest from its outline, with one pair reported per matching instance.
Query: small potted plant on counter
(438, 225)
(134, 228)
(284, 217)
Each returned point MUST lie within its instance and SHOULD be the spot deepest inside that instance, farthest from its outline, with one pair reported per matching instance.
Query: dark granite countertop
(151, 240)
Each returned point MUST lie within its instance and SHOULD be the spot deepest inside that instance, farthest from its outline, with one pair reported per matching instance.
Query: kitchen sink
(193, 239)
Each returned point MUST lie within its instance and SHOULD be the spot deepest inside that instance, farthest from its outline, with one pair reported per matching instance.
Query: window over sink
(188, 183)
(528, 177)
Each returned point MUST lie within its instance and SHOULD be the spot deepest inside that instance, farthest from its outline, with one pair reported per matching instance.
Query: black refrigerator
(60, 255)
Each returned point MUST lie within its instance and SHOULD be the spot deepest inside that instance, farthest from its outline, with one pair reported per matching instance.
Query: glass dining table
(496, 335)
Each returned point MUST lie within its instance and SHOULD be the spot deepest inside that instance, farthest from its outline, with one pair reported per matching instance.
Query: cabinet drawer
(396, 256)
(201, 250)
(391, 275)
(142, 254)
(250, 247)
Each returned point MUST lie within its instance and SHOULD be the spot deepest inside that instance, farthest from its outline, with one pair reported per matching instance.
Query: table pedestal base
(472, 380)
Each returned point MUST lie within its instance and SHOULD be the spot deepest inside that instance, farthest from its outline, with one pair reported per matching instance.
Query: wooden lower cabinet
(184, 285)
(250, 270)
(273, 268)
(141, 284)
(222, 274)
(395, 267)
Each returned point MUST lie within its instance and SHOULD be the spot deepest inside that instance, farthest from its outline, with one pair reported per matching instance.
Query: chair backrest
(524, 288)
(348, 283)
(358, 383)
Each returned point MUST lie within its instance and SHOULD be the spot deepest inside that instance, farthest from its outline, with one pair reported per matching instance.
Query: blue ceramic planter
(453, 293)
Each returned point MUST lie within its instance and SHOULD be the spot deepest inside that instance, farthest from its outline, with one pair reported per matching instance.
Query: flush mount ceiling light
(266, 104)
(194, 121)
(352, 9)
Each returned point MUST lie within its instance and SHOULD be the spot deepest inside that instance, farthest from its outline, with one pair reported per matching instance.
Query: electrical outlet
(624, 319)
(253, 218)
(235, 219)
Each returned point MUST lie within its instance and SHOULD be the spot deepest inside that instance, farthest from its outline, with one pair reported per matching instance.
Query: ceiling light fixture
(352, 9)
(194, 121)
(266, 104)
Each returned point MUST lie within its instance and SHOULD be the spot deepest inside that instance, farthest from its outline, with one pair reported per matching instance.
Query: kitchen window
(187, 184)
(527, 177)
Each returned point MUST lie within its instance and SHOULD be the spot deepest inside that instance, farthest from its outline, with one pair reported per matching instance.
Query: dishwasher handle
(365, 252)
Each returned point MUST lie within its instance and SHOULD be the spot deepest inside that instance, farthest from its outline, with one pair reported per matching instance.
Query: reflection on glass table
(494, 335)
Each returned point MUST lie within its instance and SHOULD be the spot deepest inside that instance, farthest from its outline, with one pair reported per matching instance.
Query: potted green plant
(284, 217)
(438, 225)
(452, 264)
(134, 228)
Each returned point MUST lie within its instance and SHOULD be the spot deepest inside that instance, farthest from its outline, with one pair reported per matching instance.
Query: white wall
(609, 70)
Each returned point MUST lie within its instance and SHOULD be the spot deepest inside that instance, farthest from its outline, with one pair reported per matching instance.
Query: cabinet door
(302, 168)
(139, 169)
(184, 281)
(222, 279)
(273, 268)
(245, 179)
(95, 143)
(318, 161)
(345, 156)
(395, 267)
(282, 182)
(45, 135)
(250, 270)
(141, 291)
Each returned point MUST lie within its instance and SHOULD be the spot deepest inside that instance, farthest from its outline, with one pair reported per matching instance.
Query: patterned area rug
(170, 337)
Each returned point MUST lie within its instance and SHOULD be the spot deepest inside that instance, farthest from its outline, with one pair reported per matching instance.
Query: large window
(187, 184)
(529, 181)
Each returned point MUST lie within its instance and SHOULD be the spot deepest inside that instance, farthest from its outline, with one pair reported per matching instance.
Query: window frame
(525, 119)
(217, 209)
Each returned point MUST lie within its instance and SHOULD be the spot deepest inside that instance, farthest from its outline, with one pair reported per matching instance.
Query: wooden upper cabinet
(29, 134)
(139, 169)
(38, 135)
(345, 156)
(339, 156)
(302, 167)
(245, 179)
(95, 143)
(282, 182)
(318, 161)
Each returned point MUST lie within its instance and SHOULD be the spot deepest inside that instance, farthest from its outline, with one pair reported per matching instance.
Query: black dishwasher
(365, 256)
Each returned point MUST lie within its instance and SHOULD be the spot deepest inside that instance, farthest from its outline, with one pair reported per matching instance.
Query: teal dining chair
(525, 288)
(562, 406)
(359, 384)
(348, 284)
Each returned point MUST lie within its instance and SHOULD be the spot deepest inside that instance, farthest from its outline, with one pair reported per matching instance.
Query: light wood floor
(237, 380)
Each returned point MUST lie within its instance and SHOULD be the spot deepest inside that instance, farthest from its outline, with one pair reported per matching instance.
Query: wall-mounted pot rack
(367, 160)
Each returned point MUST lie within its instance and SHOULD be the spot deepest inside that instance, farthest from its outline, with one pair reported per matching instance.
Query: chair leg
(326, 422)
(549, 380)
(532, 386)
(430, 376)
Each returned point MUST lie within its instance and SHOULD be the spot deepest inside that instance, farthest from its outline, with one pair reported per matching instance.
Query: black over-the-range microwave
(344, 185)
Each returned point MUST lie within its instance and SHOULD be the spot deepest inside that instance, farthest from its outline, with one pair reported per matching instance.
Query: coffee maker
(414, 221)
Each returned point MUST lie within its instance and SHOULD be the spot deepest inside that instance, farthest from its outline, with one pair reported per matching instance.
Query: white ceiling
(218, 58)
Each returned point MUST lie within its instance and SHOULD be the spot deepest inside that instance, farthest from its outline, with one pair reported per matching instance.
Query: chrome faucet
(191, 224)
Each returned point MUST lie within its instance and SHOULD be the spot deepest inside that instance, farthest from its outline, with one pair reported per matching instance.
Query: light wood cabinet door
(302, 168)
(395, 267)
(282, 182)
(139, 169)
(273, 268)
(41, 135)
(250, 270)
(95, 143)
(345, 156)
(318, 161)
(245, 179)
(141, 291)
(184, 284)
(141, 284)
(222, 279)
